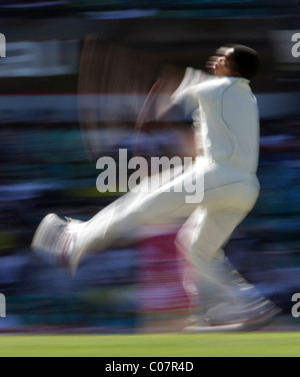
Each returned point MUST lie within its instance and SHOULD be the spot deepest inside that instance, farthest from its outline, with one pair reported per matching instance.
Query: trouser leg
(124, 218)
(218, 280)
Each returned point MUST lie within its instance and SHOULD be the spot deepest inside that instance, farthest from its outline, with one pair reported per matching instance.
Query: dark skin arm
(155, 105)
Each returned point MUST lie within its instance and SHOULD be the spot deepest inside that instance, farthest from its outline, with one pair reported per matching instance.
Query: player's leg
(123, 219)
(164, 199)
(218, 280)
(226, 297)
(172, 201)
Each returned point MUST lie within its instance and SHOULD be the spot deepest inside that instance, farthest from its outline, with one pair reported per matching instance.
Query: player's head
(234, 60)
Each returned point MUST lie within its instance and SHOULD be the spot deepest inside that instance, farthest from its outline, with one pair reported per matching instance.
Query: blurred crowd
(145, 8)
(45, 167)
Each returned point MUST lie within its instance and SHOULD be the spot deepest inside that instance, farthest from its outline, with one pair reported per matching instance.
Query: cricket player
(226, 121)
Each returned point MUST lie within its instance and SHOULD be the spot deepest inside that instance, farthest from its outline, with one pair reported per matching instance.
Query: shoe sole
(251, 325)
(214, 329)
(265, 320)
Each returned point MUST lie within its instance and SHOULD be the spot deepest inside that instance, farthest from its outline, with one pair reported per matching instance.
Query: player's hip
(239, 196)
(224, 173)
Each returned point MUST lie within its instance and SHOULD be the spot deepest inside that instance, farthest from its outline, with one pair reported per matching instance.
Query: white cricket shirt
(226, 118)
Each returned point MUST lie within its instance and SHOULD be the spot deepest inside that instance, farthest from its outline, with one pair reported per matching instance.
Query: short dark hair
(246, 60)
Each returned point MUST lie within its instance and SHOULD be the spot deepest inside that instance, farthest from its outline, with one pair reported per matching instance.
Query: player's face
(221, 63)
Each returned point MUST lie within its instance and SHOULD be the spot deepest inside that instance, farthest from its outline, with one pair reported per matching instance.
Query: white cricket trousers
(228, 197)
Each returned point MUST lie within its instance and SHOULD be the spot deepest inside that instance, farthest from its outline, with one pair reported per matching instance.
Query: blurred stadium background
(45, 166)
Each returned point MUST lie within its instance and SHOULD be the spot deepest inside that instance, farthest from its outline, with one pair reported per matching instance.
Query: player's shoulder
(221, 84)
(235, 82)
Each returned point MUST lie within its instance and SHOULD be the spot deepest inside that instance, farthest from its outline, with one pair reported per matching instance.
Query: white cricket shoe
(54, 240)
(220, 319)
(260, 315)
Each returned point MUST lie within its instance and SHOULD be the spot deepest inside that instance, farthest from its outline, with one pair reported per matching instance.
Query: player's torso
(228, 121)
